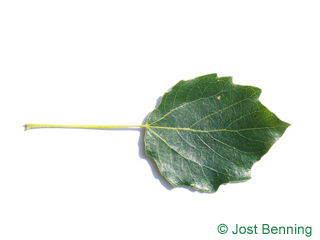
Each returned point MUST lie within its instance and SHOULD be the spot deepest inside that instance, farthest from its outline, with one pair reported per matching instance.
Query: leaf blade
(209, 126)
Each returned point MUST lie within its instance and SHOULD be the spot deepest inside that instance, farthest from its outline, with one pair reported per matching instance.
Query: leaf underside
(208, 131)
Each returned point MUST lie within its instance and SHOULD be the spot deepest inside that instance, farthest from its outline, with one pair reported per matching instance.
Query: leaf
(205, 132)
(208, 131)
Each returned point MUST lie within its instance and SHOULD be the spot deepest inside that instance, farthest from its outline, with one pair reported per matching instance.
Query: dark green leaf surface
(208, 131)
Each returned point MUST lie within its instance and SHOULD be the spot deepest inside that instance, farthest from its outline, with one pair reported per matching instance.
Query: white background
(108, 62)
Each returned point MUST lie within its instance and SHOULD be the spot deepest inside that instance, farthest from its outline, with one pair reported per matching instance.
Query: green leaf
(205, 132)
(208, 131)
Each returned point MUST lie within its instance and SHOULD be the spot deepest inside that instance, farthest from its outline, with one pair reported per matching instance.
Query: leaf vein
(214, 130)
(182, 105)
(223, 143)
(214, 150)
(250, 113)
(247, 98)
(186, 157)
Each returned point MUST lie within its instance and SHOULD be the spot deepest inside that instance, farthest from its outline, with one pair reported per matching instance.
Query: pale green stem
(28, 126)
